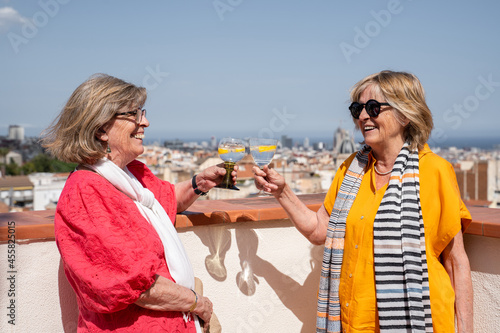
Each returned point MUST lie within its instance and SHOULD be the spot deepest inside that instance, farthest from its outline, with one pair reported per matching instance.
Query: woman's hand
(313, 225)
(166, 295)
(205, 181)
(269, 180)
(213, 176)
(204, 310)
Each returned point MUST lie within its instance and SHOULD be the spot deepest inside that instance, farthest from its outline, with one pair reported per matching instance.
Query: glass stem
(228, 179)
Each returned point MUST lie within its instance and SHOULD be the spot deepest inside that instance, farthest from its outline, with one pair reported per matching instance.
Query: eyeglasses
(139, 114)
(372, 107)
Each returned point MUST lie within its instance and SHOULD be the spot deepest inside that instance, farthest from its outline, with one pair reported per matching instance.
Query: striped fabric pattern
(328, 313)
(401, 276)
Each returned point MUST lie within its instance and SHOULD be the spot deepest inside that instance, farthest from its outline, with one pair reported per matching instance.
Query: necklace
(381, 173)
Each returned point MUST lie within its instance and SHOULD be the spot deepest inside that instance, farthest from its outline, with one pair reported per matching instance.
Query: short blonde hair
(404, 92)
(72, 137)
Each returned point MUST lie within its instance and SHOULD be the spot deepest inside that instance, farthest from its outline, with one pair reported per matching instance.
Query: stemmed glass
(231, 150)
(262, 151)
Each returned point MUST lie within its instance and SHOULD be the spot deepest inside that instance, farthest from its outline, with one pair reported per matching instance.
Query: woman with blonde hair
(114, 222)
(391, 223)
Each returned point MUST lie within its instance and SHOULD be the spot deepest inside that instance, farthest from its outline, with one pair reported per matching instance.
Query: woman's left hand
(204, 310)
(213, 176)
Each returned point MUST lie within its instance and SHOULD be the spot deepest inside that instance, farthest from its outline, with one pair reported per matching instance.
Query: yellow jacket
(444, 215)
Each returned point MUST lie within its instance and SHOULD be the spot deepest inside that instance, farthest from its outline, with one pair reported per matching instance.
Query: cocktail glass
(262, 151)
(231, 150)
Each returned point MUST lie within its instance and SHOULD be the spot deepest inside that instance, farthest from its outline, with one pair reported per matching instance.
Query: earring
(108, 150)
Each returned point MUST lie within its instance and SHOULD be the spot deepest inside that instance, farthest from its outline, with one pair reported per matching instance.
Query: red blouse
(111, 254)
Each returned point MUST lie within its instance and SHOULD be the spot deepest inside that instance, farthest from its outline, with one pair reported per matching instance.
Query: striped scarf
(401, 278)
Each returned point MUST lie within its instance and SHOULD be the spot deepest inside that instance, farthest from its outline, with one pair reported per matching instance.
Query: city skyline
(240, 68)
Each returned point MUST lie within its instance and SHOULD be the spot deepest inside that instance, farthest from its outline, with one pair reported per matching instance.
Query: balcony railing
(260, 272)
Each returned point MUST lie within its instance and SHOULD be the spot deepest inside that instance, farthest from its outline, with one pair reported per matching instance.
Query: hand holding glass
(262, 151)
(230, 151)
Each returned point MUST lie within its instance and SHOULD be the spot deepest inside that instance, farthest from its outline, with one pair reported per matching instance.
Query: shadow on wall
(218, 242)
(298, 298)
(483, 258)
(67, 301)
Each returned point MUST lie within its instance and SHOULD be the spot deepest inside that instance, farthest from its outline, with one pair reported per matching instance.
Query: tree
(59, 166)
(12, 169)
(28, 168)
(42, 163)
(45, 163)
(3, 153)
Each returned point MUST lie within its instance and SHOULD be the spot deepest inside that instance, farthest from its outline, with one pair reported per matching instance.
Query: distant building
(47, 189)
(174, 144)
(307, 184)
(154, 155)
(174, 174)
(17, 192)
(318, 146)
(16, 133)
(12, 157)
(479, 182)
(306, 142)
(494, 182)
(343, 142)
(343, 146)
(472, 178)
(286, 142)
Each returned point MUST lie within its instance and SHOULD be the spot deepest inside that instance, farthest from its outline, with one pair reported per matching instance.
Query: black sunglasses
(372, 107)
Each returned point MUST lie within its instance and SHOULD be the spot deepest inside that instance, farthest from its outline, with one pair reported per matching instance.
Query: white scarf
(177, 260)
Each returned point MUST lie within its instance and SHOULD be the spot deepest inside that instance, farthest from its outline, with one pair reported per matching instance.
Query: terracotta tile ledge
(39, 225)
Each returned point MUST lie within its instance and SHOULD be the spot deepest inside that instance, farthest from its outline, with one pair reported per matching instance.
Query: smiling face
(124, 137)
(381, 132)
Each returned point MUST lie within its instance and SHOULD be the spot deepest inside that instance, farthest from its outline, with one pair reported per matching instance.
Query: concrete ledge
(39, 225)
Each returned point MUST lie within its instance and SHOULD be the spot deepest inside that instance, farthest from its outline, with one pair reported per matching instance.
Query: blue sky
(251, 67)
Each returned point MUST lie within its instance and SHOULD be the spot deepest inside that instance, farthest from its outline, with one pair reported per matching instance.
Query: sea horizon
(485, 143)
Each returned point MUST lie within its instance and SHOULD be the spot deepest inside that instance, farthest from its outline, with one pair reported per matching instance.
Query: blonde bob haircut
(72, 137)
(404, 92)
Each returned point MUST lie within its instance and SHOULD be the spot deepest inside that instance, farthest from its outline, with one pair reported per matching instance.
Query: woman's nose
(363, 115)
(144, 121)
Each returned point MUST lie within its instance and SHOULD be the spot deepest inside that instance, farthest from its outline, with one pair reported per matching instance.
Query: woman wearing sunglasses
(114, 223)
(391, 223)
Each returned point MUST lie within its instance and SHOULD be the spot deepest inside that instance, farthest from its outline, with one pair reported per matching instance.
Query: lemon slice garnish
(231, 150)
(266, 148)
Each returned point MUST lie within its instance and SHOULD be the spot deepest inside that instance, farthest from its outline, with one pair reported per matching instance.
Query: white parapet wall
(261, 277)
(485, 266)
